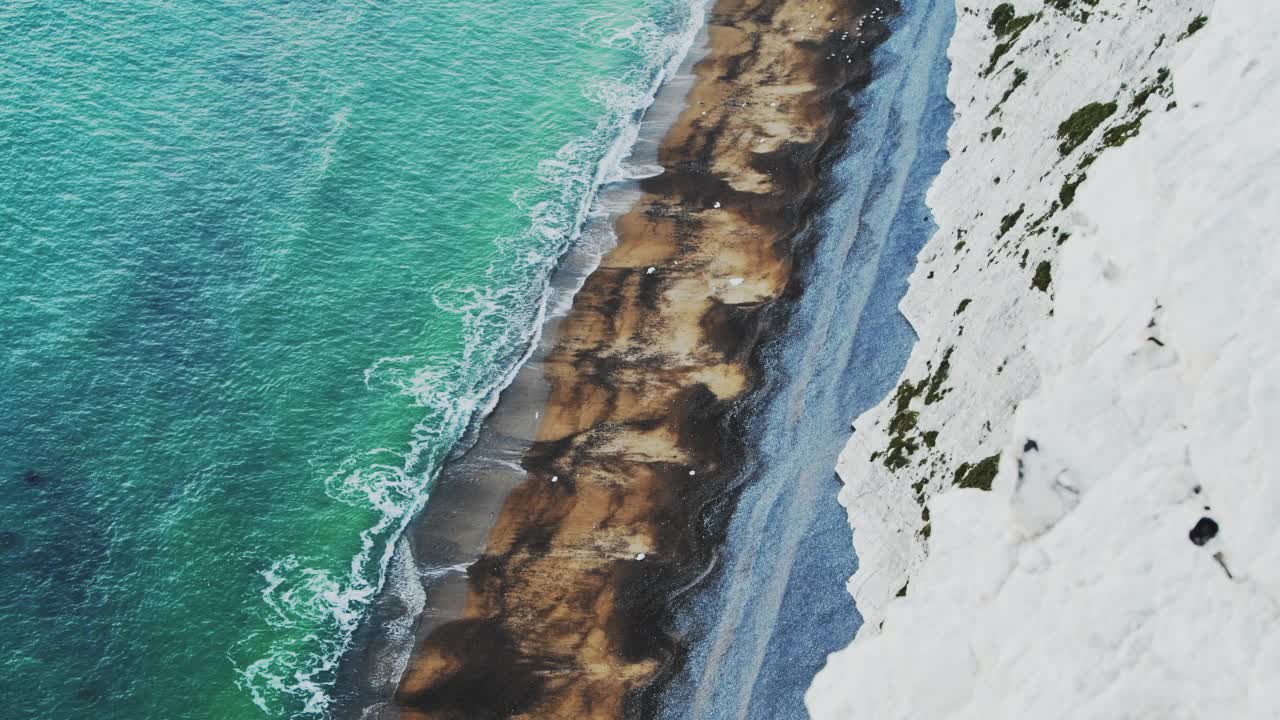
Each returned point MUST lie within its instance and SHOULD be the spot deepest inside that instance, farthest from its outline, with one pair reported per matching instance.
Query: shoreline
(426, 578)
(565, 614)
(762, 624)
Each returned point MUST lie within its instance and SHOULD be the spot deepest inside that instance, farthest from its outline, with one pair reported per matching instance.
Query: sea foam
(395, 485)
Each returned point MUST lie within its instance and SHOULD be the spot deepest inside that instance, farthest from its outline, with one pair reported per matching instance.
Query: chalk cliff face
(1067, 507)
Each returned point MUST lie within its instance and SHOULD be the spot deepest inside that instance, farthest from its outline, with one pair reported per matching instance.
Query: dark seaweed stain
(649, 291)
(535, 538)
(494, 681)
(612, 307)
(734, 64)
(733, 328)
(485, 570)
(637, 622)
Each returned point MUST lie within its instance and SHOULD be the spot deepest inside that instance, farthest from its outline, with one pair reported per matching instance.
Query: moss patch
(978, 476)
(1076, 129)
(1019, 77)
(1065, 5)
(936, 392)
(902, 426)
(1000, 19)
(1008, 221)
(1160, 86)
(1120, 134)
(904, 437)
(1007, 27)
(1067, 194)
(1042, 277)
(1195, 27)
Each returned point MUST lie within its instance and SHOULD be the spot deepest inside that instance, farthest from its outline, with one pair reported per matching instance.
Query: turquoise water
(260, 263)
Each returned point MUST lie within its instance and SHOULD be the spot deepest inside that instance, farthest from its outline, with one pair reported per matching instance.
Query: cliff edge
(1063, 510)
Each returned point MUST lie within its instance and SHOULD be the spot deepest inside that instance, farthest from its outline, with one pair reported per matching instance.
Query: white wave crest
(395, 484)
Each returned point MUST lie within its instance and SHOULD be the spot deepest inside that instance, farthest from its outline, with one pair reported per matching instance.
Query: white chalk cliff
(1068, 508)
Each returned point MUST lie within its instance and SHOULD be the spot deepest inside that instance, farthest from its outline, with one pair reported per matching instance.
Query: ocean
(261, 265)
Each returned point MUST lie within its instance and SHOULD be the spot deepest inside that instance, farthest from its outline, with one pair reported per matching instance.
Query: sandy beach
(628, 439)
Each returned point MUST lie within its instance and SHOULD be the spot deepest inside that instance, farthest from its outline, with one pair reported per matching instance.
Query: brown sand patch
(563, 615)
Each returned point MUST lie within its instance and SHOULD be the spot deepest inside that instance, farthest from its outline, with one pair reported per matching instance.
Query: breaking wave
(311, 614)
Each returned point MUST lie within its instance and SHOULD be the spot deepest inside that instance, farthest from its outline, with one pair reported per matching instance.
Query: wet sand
(626, 469)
